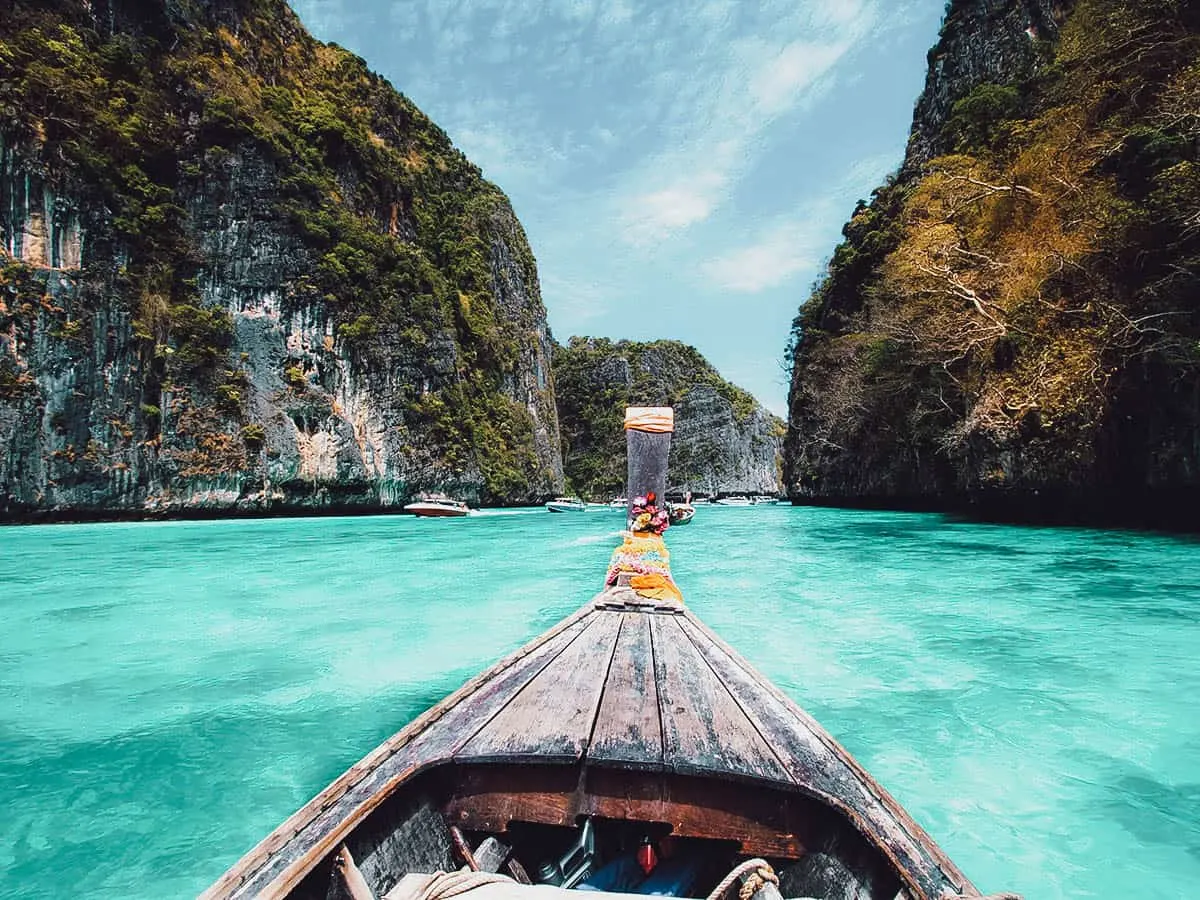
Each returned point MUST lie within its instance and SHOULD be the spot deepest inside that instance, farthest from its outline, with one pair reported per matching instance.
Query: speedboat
(762, 500)
(438, 506)
(618, 502)
(566, 504)
(735, 500)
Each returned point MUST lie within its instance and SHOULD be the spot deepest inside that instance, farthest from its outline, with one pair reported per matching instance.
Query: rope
(760, 873)
(654, 419)
(444, 885)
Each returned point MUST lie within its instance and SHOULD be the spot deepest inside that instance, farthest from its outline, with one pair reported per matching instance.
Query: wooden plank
(551, 717)
(647, 455)
(282, 858)
(628, 730)
(491, 854)
(821, 767)
(406, 836)
(765, 821)
(704, 730)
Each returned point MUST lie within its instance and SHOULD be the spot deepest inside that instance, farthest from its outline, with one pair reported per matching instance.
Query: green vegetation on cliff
(1021, 312)
(141, 112)
(596, 379)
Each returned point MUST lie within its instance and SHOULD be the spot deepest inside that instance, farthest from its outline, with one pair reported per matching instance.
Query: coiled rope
(444, 885)
(760, 873)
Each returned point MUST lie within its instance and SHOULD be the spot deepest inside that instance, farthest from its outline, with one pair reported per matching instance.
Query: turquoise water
(170, 692)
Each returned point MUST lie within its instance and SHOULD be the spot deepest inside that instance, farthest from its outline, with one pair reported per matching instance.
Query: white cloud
(771, 261)
(780, 81)
(715, 108)
(794, 244)
(573, 302)
(616, 13)
(656, 215)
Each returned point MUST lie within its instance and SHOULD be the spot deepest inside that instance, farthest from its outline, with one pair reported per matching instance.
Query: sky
(682, 168)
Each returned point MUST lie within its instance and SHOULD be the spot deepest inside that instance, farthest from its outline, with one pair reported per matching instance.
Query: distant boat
(735, 500)
(763, 499)
(618, 502)
(566, 504)
(438, 507)
(681, 513)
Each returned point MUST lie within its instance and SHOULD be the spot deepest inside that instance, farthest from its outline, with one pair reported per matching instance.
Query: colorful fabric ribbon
(654, 419)
(647, 562)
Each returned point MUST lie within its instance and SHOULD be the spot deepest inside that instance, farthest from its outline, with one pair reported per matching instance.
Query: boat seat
(413, 885)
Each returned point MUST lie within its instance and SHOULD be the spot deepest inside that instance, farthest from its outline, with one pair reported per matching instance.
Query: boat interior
(587, 829)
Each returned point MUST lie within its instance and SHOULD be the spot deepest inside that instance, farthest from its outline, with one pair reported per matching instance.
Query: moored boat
(681, 513)
(566, 504)
(733, 500)
(627, 750)
(437, 506)
(619, 502)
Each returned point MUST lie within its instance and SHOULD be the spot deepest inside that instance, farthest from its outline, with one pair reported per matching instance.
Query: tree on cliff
(1017, 313)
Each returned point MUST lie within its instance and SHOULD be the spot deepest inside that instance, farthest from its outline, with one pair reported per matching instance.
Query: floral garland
(647, 516)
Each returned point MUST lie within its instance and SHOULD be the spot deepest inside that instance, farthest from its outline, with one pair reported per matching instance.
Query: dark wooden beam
(648, 444)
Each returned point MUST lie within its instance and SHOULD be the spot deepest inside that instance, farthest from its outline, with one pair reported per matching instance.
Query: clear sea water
(170, 692)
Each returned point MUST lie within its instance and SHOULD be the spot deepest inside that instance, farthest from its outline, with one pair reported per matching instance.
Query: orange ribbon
(653, 419)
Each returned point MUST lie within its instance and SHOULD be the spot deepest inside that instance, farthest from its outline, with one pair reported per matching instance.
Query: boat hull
(433, 511)
(630, 711)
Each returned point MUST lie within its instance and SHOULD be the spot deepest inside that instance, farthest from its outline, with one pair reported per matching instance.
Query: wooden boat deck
(625, 684)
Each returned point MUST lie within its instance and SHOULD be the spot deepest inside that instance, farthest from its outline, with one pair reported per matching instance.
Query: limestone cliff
(724, 441)
(239, 272)
(1011, 325)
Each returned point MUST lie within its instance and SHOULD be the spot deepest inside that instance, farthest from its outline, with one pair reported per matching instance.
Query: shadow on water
(1152, 810)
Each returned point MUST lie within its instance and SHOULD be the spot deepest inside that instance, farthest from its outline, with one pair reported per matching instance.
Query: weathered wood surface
(821, 766)
(704, 730)
(283, 857)
(488, 798)
(628, 728)
(624, 685)
(647, 464)
(551, 717)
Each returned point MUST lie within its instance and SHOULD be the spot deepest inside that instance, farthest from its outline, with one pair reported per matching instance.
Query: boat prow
(627, 726)
(634, 714)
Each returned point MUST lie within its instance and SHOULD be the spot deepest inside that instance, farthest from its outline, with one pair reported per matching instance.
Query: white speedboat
(735, 500)
(566, 504)
(618, 502)
(763, 500)
(438, 507)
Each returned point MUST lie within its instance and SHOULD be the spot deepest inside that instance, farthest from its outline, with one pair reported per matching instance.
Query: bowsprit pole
(648, 444)
(642, 562)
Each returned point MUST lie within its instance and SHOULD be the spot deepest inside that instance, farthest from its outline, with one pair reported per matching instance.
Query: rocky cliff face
(724, 441)
(239, 272)
(1010, 324)
(981, 42)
